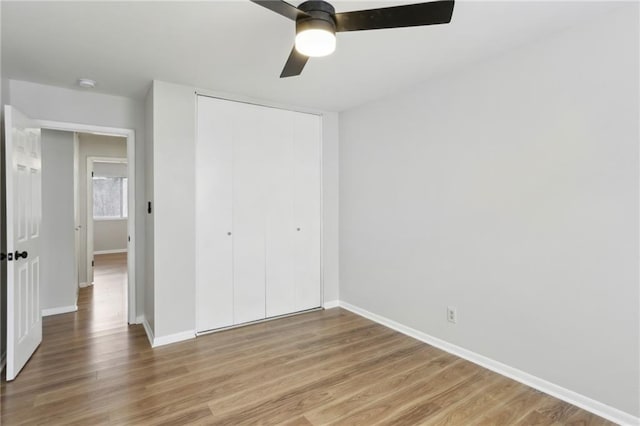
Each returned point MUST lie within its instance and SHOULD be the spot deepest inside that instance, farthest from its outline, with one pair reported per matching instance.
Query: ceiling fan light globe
(315, 42)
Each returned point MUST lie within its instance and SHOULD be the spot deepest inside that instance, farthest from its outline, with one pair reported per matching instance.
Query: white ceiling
(239, 47)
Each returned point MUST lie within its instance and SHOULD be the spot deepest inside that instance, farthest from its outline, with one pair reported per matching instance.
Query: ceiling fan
(317, 24)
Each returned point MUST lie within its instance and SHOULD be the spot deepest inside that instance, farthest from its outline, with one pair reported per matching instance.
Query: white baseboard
(147, 329)
(586, 403)
(110, 251)
(166, 340)
(83, 285)
(331, 304)
(59, 310)
(174, 338)
(139, 319)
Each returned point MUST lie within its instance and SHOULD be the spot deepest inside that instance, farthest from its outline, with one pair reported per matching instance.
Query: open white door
(24, 218)
(90, 261)
(76, 207)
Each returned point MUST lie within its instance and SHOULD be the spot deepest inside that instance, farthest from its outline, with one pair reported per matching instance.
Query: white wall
(508, 190)
(173, 151)
(149, 299)
(103, 169)
(174, 208)
(94, 146)
(58, 287)
(86, 107)
(4, 92)
(109, 235)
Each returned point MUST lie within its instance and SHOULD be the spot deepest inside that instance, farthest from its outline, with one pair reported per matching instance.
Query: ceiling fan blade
(411, 15)
(282, 8)
(295, 64)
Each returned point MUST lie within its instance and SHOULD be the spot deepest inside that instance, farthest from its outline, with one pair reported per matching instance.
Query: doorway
(107, 231)
(25, 196)
(107, 210)
(124, 202)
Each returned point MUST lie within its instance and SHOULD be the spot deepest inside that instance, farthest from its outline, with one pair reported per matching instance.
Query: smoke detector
(86, 83)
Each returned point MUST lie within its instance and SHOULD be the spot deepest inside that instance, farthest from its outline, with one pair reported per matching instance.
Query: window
(110, 198)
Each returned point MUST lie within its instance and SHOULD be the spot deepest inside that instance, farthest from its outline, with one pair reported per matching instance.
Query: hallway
(105, 302)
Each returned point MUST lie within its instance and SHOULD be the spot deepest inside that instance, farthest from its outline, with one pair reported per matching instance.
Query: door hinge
(91, 174)
(92, 263)
(129, 238)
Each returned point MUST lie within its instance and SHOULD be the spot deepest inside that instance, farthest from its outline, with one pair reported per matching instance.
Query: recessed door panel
(34, 289)
(22, 282)
(35, 216)
(24, 194)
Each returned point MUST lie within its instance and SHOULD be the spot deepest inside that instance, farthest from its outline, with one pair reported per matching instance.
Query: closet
(258, 212)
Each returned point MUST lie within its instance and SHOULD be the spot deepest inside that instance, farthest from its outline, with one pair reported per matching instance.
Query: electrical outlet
(452, 314)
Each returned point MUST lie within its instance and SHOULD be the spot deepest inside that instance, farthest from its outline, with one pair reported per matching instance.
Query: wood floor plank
(240, 382)
(410, 412)
(466, 410)
(319, 368)
(556, 410)
(298, 421)
(364, 394)
(535, 418)
(409, 396)
(512, 410)
(292, 400)
(198, 414)
(584, 418)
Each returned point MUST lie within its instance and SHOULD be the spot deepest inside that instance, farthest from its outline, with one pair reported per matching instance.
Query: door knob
(19, 255)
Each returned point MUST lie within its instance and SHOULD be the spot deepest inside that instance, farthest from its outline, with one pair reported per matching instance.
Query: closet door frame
(225, 97)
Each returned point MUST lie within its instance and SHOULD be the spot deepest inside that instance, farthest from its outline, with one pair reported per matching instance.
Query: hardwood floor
(327, 367)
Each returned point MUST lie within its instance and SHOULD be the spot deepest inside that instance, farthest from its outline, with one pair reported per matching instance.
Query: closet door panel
(214, 272)
(307, 211)
(258, 177)
(248, 217)
(279, 249)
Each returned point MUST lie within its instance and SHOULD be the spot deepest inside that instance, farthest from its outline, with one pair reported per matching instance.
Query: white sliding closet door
(258, 213)
(249, 151)
(279, 237)
(307, 211)
(214, 245)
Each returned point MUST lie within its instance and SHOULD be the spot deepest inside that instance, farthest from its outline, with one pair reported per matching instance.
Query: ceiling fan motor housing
(320, 17)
